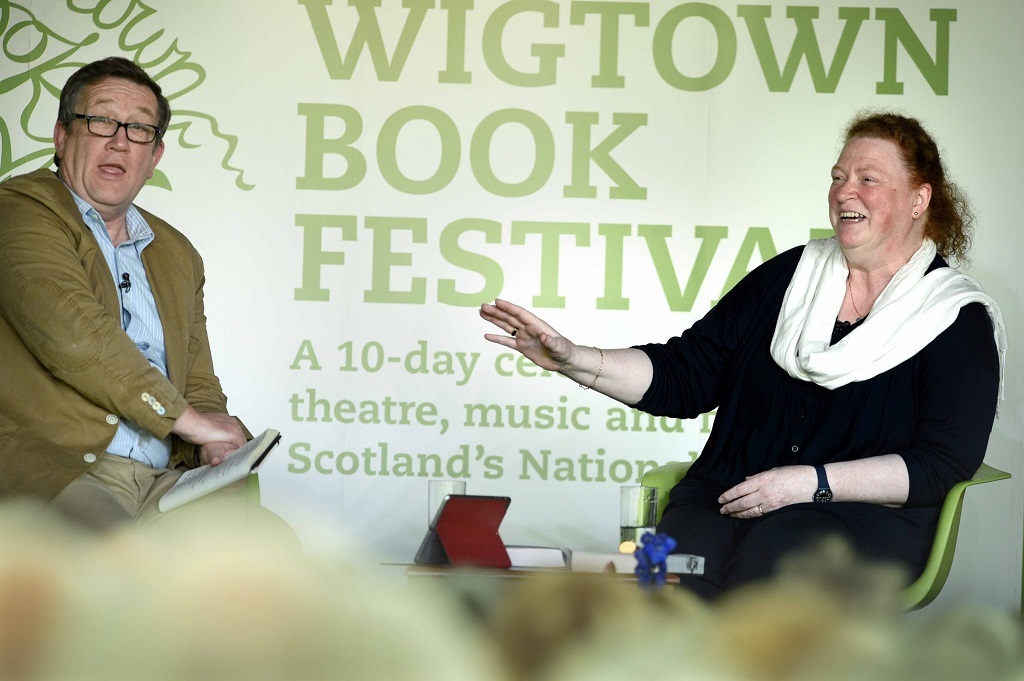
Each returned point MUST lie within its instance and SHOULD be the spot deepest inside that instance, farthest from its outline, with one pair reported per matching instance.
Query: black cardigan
(935, 410)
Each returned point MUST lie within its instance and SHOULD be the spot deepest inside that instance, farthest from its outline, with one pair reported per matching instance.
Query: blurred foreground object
(218, 602)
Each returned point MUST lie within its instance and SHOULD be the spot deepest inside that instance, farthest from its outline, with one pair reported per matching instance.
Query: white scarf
(912, 311)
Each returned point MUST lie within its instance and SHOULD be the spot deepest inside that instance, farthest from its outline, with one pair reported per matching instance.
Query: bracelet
(600, 367)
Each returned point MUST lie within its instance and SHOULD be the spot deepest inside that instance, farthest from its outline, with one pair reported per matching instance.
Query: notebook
(465, 532)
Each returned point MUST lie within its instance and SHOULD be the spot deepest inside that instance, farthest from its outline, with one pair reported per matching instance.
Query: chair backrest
(664, 478)
(928, 585)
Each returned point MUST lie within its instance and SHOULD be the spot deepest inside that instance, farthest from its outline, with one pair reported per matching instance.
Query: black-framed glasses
(142, 133)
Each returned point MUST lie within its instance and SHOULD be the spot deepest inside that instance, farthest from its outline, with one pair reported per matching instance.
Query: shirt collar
(138, 229)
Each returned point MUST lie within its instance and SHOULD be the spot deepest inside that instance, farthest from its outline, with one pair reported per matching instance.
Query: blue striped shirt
(139, 319)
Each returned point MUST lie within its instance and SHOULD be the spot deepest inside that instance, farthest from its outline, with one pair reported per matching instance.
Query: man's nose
(120, 138)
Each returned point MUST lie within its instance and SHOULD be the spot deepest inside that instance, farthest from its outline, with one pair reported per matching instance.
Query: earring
(915, 213)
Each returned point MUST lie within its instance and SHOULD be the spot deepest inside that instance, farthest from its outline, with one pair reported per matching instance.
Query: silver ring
(759, 510)
(513, 332)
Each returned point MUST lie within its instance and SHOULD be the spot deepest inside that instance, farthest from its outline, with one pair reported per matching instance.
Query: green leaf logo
(48, 58)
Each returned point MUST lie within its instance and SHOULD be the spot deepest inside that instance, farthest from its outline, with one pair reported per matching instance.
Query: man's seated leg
(229, 511)
(101, 498)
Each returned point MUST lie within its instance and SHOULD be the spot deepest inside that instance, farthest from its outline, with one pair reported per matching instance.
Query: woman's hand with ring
(528, 334)
(768, 491)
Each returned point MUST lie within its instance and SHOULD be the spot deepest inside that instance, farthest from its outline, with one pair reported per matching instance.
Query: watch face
(823, 495)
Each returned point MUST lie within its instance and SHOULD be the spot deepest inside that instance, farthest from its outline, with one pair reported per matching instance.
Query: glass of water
(638, 511)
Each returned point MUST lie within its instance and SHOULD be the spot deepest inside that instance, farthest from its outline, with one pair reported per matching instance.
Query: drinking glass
(638, 509)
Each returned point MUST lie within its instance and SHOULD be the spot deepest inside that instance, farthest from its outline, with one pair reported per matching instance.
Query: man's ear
(60, 136)
(158, 152)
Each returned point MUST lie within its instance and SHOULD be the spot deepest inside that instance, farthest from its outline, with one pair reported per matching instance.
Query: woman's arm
(874, 480)
(623, 374)
(956, 402)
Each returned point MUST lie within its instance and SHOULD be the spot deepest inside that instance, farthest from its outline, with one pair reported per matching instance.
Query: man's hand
(214, 453)
(207, 429)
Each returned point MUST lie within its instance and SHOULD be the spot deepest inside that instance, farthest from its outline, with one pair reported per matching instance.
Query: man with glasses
(107, 383)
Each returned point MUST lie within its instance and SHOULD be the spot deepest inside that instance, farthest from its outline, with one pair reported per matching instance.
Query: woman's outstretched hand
(528, 334)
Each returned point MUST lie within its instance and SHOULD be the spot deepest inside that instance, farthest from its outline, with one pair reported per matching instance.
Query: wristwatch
(824, 493)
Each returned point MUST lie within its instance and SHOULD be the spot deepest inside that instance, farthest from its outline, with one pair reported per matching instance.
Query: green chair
(926, 587)
(252, 489)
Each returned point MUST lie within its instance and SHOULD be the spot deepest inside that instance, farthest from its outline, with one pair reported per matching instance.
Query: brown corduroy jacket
(68, 372)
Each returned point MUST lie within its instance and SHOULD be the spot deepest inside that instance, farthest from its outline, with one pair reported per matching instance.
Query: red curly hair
(950, 220)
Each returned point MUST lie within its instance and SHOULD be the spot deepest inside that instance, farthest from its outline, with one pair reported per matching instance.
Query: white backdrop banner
(360, 176)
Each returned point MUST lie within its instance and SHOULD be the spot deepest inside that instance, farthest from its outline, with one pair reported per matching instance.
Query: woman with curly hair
(855, 378)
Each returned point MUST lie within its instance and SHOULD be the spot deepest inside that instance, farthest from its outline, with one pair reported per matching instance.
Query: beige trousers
(119, 491)
(116, 490)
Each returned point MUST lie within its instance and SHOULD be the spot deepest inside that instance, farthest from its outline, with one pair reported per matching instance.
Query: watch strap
(822, 478)
(824, 493)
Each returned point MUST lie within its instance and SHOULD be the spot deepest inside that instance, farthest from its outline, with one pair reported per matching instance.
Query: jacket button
(794, 449)
(161, 411)
(111, 419)
(145, 397)
(90, 457)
